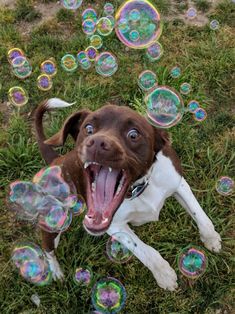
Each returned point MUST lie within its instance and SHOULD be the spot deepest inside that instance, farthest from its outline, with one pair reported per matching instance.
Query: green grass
(25, 11)
(206, 149)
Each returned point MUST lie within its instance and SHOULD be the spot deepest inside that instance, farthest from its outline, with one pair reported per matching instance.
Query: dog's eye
(89, 129)
(133, 134)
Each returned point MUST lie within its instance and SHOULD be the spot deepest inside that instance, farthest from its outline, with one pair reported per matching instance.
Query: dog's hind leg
(162, 272)
(209, 236)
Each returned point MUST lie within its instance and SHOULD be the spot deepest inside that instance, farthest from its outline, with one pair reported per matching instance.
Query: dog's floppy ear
(161, 139)
(71, 126)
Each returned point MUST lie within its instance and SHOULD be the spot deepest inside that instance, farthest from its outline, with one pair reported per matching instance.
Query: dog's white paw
(212, 241)
(166, 277)
(54, 266)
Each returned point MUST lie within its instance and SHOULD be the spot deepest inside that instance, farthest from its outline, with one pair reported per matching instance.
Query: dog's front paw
(54, 266)
(166, 277)
(212, 241)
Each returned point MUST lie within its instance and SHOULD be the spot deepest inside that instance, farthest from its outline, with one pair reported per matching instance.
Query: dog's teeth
(93, 186)
(120, 185)
(86, 164)
(110, 169)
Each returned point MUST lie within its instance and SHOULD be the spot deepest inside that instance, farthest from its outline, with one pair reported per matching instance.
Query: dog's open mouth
(106, 189)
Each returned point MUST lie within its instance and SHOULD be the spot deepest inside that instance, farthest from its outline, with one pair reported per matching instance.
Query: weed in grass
(25, 11)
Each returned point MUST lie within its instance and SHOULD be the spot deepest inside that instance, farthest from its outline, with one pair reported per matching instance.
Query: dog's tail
(47, 152)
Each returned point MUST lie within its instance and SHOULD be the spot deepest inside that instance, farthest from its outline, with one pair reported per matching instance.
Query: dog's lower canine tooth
(86, 164)
(110, 169)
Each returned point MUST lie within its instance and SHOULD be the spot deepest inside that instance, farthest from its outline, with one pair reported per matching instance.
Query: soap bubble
(112, 20)
(82, 276)
(165, 107)
(192, 262)
(108, 295)
(193, 105)
(44, 82)
(14, 53)
(79, 207)
(147, 79)
(96, 41)
(104, 26)
(106, 64)
(175, 72)
(134, 35)
(214, 25)
(18, 96)
(108, 8)
(185, 88)
(191, 13)
(141, 17)
(91, 53)
(225, 186)
(21, 67)
(155, 51)
(89, 27)
(200, 114)
(32, 263)
(89, 14)
(119, 247)
(83, 60)
(71, 4)
(49, 67)
(69, 63)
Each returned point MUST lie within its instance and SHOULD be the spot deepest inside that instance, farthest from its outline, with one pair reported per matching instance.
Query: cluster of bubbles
(48, 200)
(49, 70)
(119, 247)
(199, 114)
(20, 65)
(192, 262)
(71, 4)
(32, 263)
(225, 186)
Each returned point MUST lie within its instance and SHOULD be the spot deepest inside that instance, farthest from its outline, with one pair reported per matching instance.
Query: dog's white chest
(163, 181)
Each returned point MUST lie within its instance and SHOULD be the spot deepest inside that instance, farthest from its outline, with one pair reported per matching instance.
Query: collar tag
(139, 189)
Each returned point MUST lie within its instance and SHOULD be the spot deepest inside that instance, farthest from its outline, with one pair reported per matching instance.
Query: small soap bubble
(112, 20)
(134, 35)
(108, 8)
(104, 26)
(119, 247)
(147, 79)
(165, 107)
(44, 82)
(200, 114)
(193, 105)
(89, 14)
(191, 13)
(225, 186)
(185, 88)
(69, 63)
(141, 17)
(82, 276)
(175, 72)
(49, 67)
(79, 207)
(89, 27)
(155, 51)
(14, 53)
(108, 295)
(192, 263)
(106, 64)
(21, 67)
(91, 53)
(96, 41)
(214, 25)
(71, 4)
(18, 96)
(83, 60)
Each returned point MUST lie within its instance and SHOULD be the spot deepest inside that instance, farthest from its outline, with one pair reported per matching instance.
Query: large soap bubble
(106, 64)
(138, 24)
(165, 107)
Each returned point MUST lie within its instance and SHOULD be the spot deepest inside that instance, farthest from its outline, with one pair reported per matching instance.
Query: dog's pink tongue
(105, 186)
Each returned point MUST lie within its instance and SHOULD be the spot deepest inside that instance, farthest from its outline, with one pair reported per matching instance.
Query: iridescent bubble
(191, 13)
(71, 4)
(185, 88)
(192, 262)
(79, 207)
(134, 35)
(14, 53)
(106, 64)
(91, 53)
(155, 51)
(112, 20)
(69, 63)
(193, 105)
(165, 107)
(140, 16)
(108, 295)
(57, 220)
(83, 60)
(49, 67)
(214, 25)
(104, 26)
(225, 186)
(119, 247)
(21, 67)
(44, 82)
(108, 8)
(175, 72)
(89, 14)
(82, 276)
(96, 41)
(25, 251)
(89, 27)
(147, 79)
(18, 96)
(200, 114)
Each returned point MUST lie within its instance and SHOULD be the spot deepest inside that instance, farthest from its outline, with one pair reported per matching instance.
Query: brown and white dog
(118, 154)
